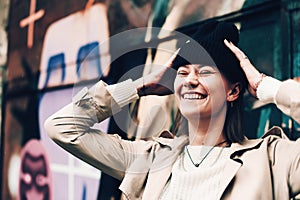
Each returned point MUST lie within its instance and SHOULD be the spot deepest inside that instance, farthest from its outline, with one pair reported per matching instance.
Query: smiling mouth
(194, 96)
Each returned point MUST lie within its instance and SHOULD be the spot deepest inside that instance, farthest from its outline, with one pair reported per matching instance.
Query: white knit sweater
(190, 182)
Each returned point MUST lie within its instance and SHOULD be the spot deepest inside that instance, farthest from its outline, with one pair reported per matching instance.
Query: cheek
(219, 97)
(216, 88)
(178, 82)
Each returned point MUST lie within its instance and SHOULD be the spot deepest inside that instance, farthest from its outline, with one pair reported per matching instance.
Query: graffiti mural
(35, 179)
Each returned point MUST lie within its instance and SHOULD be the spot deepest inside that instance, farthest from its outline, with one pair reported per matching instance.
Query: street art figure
(35, 180)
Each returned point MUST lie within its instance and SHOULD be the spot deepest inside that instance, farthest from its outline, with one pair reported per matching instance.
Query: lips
(192, 96)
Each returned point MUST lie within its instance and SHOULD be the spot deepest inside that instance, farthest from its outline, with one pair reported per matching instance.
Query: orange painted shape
(33, 16)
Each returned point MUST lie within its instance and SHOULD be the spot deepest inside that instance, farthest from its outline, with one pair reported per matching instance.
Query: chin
(195, 113)
(190, 114)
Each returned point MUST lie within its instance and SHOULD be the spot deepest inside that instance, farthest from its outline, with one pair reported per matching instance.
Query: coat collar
(250, 144)
(234, 163)
(165, 138)
(275, 131)
(169, 155)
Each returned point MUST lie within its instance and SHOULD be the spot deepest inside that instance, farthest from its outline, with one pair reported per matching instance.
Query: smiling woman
(222, 61)
(201, 92)
(212, 159)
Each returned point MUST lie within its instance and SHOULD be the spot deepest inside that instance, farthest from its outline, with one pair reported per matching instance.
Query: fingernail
(177, 51)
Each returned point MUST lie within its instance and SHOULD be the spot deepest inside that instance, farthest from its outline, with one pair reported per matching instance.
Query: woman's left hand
(253, 75)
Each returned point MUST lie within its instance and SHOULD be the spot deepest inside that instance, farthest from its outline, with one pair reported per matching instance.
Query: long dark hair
(233, 126)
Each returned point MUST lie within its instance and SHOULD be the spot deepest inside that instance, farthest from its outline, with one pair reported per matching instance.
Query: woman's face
(201, 91)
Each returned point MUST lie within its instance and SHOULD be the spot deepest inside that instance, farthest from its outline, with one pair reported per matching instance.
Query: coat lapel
(156, 181)
(229, 172)
(154, 169)
(135, 178)
(161, 168)
(234, 163)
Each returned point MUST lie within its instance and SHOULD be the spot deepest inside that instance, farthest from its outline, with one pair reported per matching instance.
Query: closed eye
(182, 73)
(206, 72)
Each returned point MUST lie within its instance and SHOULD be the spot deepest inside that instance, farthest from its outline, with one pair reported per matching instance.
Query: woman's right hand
(159, 82)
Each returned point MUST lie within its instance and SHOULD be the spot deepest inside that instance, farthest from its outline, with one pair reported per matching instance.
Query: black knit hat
(212, 50)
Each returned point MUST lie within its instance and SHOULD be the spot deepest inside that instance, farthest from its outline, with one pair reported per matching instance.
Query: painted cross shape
(33, 16)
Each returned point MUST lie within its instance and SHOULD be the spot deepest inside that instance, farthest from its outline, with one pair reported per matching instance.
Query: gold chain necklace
(198, 164)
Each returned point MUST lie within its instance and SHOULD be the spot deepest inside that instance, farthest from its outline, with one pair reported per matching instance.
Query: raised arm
(285, 94)
(71, 128)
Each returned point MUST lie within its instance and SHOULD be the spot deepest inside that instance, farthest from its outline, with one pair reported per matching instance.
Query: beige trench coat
(265, 168)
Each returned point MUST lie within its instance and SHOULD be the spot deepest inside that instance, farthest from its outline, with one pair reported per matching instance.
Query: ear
(234, 92)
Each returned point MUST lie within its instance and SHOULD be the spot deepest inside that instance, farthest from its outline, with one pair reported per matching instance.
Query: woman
(212, 159)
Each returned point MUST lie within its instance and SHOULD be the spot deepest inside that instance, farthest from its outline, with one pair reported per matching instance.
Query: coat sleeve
(72, 128)
(294, 170)
(286, 95)
(285, 161)
(284, 154)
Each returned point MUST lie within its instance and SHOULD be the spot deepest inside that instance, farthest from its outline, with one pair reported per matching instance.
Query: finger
(251, 72)
(237, 52)
(244, 60)
(172, 58)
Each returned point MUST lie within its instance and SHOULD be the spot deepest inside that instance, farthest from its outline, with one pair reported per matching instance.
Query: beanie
(206, 46)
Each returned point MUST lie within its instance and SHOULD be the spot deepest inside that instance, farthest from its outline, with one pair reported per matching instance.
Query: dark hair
(233, 127)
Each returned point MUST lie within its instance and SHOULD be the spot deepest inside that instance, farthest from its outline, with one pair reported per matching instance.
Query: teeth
(194, 96)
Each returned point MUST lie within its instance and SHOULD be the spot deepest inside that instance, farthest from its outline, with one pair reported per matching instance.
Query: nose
(191, 80)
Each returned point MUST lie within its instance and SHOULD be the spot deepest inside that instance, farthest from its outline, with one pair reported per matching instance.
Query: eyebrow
(212, 67)
(199, 66)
